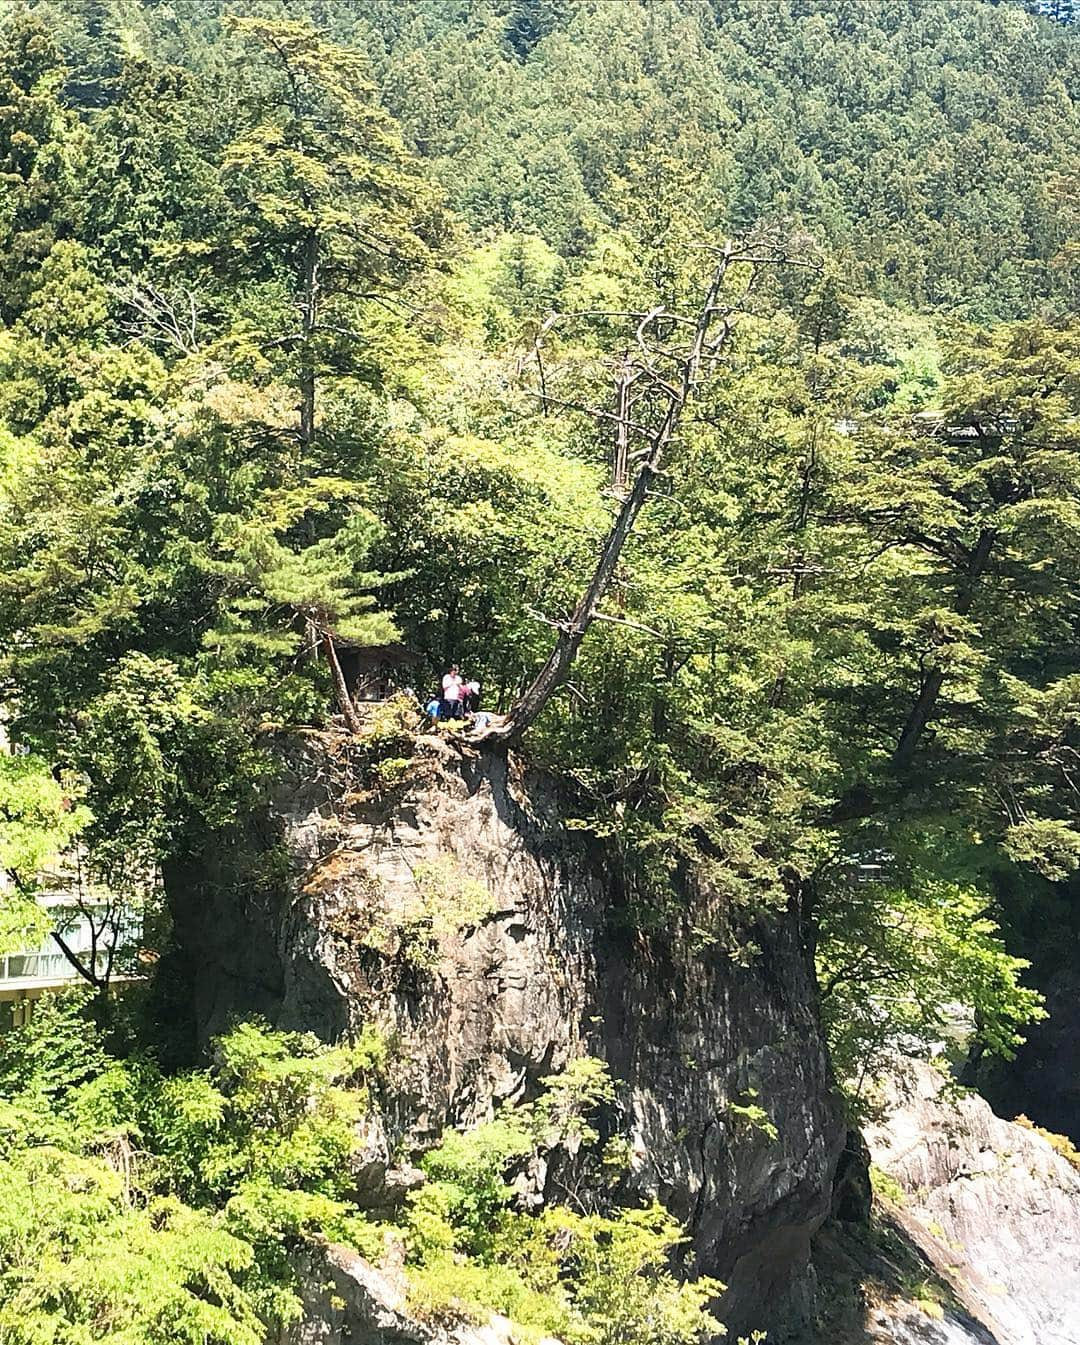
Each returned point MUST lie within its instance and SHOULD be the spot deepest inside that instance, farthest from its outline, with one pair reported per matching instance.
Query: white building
(97, 941)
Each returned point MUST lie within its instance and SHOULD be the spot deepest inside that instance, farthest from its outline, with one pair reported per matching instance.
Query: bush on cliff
(138, 1209)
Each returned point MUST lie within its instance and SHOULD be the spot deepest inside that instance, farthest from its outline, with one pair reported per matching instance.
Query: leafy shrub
(384, 748)
(55, 1051)
(749, 1114)
(886, 1187)
(276, 1108)
(448, 901)
(1061, 1144)
(161, 1210)
(136, 1207)
(601, 1277)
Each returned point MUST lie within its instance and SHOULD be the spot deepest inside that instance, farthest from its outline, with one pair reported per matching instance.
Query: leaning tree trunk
(571, 633)
(678, 394)
(341, 687)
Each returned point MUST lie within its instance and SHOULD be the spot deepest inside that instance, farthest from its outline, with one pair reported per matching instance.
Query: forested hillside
(348, 323)
(930, 146)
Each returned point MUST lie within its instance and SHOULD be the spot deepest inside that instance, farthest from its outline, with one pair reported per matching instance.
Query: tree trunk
(554, 672)
(309, 319)
(88, 973)
(935, 678)
(341, 688)
(571, 633)
(622, 429)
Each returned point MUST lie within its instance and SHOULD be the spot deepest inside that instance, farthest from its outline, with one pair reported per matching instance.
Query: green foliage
(330, 212)
(72, 1242)
(588, 1278)
(1049, 844)
(749, 1113)
(383, 749)
(897, 967)
(819, 113)
(449, 901)
(52, 1054)
(128, 748)
(40, 149)
(286, 596)
(445, 901)
(561, 1113)
(457, 1210)
(277, 1110)
(887, 1187)
(39, 817)
(141, 1207)
(1061, 1144)
(928, 1296)
(293, 403)
(625, 1290)
(138, 1208)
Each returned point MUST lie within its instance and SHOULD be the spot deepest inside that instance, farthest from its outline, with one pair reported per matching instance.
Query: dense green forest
(280, 374)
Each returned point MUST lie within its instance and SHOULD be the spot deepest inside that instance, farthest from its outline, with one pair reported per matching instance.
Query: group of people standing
(459, 697)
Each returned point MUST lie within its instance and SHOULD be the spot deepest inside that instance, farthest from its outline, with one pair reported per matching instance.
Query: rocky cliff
(453, 908)
(1043, 1082)
(991, 1205)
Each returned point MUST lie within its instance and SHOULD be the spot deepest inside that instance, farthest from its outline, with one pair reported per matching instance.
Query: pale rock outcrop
(993, 1205)
(348, 1301)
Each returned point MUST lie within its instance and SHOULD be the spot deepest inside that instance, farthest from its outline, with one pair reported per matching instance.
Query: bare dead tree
(160, 317)
(672, 356)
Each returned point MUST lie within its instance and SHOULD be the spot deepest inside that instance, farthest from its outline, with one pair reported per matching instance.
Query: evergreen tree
(41, 154)
(328, 204)
(530, 21)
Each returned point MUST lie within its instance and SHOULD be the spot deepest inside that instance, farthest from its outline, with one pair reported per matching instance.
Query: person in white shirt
(452, 691)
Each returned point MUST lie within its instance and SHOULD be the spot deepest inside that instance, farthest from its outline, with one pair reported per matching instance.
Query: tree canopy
(330, 325)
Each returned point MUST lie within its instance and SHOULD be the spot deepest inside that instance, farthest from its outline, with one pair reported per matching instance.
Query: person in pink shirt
(452, 694)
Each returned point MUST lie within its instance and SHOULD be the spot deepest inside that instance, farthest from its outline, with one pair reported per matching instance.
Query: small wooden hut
(376, 672)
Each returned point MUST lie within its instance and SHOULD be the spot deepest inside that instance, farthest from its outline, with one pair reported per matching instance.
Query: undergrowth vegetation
(336, 328)
(164, 1210)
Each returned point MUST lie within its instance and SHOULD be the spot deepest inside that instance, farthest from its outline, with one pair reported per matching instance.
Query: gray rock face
(996, 1205)
(348, 1301)
(911, 1326)
(492, 945)
(887, 1283)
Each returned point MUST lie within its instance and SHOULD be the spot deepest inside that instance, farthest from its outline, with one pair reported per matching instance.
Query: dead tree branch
(666, 378)
(159, 317)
